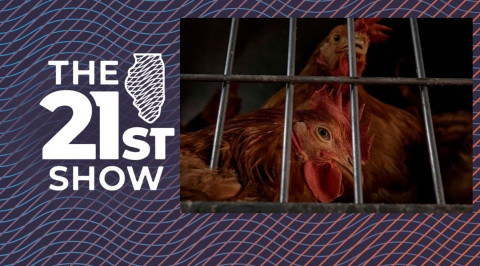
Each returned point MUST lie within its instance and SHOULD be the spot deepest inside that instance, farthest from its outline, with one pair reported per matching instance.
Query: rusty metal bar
(432, 147)
(302, 207)
(287, 129)
(327, 79)
(222, 108)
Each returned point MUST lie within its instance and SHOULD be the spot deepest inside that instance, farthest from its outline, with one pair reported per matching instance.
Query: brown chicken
(330, 58)
(250, 162)
(453, 133)
(388, 176)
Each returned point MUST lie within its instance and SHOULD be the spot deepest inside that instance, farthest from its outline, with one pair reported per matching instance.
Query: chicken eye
(336, 37)
(324, 133)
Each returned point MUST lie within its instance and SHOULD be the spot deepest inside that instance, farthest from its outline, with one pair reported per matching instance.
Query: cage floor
(294, 207)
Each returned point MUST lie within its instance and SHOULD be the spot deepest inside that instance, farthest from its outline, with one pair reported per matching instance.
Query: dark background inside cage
(262, 49)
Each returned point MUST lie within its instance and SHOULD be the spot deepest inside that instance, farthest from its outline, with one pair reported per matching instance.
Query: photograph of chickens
(396, 164)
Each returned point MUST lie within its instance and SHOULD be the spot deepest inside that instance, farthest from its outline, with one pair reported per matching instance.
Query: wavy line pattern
(41, 226)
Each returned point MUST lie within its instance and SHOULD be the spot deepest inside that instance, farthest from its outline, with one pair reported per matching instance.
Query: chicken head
(331, 55)
(322, 141)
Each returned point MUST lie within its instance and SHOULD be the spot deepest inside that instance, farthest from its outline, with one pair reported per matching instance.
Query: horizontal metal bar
(298, 207)
(328, 79)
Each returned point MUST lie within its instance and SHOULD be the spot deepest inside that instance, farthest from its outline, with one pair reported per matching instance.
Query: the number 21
(60, 146)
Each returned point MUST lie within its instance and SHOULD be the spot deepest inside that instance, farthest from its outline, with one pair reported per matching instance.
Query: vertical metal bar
(432, 147)
(287, 130)
(357, 157)
(222, 108)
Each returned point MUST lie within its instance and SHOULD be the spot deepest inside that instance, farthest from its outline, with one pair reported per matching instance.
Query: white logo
(146, 84)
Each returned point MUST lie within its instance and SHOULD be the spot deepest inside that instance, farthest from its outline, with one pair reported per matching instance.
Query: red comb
(374, 30)
(330, 103)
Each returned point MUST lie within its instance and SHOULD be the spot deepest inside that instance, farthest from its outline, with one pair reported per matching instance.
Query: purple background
(41, 226)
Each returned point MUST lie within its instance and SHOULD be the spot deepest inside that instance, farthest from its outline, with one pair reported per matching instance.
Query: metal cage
(290, 78)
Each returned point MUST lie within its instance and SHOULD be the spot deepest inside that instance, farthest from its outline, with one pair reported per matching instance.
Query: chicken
(250, 162)
(388, 176)
(330, 58)
(453, 133)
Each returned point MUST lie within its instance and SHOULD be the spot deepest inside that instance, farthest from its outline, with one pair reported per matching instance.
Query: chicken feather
(388, 176)
(250, 157)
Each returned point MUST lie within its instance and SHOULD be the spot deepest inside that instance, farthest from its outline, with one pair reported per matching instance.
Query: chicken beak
(346, 167)
(359, 42)
(359, 47)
